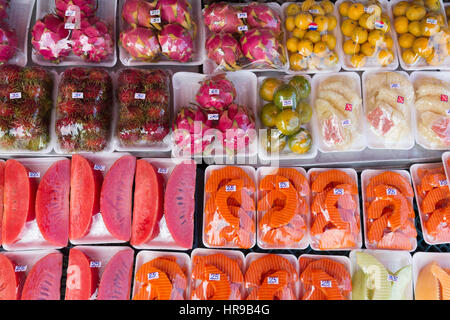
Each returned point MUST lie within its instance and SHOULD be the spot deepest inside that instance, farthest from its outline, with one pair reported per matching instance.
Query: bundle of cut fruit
(229, 219)
(244, 36)
(73, 28)
(271, 277)
(83, 111)
(283, 208)
(25, 108)
(8, 36)
(217, 125)
(433, 283)
(156, 29)
(335, 222)
(144, 107)
(216, 277)
(389, 213)
(324, 279)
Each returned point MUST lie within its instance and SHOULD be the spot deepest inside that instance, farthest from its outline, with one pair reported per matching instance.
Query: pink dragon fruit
(50, 38)
(262, 47)
(176, 11)
(262, 16)
(222, 17)
(176, 42)
(87, 8)
(93, 41)
(4, 4)
(141, 43)
(224, 50)
(237, 126)
(8, 43)
(141, 13)
(216, 93)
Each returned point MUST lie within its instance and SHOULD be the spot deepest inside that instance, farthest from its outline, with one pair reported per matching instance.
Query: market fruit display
(312, 36)
(367, 36)
(158, 30)
(244, 36)
(432, 283)
(229, 210)
(84, 110)
(25, 108)
(144, 97)
(422, 32)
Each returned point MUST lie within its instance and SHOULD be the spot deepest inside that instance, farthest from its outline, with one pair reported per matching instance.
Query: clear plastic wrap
(430, 275)
(389, 110)
(229, 207)
(388, 210)
(283, 208)
(335, 216)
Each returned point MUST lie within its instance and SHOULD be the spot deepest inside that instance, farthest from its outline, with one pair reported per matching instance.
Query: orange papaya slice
(267, 264)
(271, 284)
(296, 178)
(221, 177)
(377, 229)
(395, 241)
(273, 198)
(431, 200)
(314, 294)
(431, 181)
(336, 239)
(444, 280)
(390, 178)
(218, 280)
(157, 281)
(378, 208)
(327, 284)
(228, 265)
(168, 266)
(333, 176)
(319, 224)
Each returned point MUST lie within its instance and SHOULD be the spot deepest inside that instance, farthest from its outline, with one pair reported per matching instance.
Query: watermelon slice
(19, 195)
(52, 203)
(82, 279)
(179, 203)
(44, 280)
(116, 279)
(116, 197)
(2, 187)
(85, 185)
(148, 203)
(9, 279)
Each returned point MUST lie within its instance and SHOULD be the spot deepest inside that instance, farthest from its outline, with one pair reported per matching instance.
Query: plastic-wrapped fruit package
(84, 111)
(229, 207)
(164, 204)
(312, 36)
(99, 273)
(325, 277)
(335, 217)
(271, 277)
(388, 210)
(381, 275)
(217, 275)
(422, 34)
(339, 113)
(285, 113)
(143, 121)
(283, 208)
(367, 36)
(161, 276)
(432, 109)
(31, 275)
(388, 109)
(433, 199)
(36, 204)
(74, 32)
(244, 36)
(431, 274)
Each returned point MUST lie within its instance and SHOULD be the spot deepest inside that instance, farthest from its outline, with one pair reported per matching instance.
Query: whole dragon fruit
(176, 11)
(8, 43)
(141, 13)
(93, 41)
(50, 38)
(222, 17)
(176, 42)
(216, 93)
(237, 126)
(4, 4)
(261, 46)
(87, 8)
(224, 50)
(141, 43)
(262, 16)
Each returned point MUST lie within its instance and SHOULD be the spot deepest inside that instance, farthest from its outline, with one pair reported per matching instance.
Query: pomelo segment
(9, 279)
(44, 280)
(179, 203)
(19, 196)
(116, 197)
(148, 203)
(85, 186)
(82, 280)
(52, 203)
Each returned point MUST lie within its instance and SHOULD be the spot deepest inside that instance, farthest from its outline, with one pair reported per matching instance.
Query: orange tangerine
(385, 57)
(399, 9)
(316, 10)
(433, 5)
(293, 9)
(303, 20)
(320, 49)
(298, 33)
(343, 8)
(312, 35)
(422, 48)
(414, 28)
(429, 27)
(436, 58)
(415, 12)
(355, 11)
(331, 59)
(305, 47)
(409, 57)
(350, 47)
(375, 37)
(359, 35)
(307, 4)
(367, 21)
(358, 60)
(388, 42)
(330, 40)
(348, 26)
(322, 23)
(401, 24)
(332, 23)
(406, 40)
(290, 23)
(292, 44)
(327, 6)
(297, 62)
(368, 49)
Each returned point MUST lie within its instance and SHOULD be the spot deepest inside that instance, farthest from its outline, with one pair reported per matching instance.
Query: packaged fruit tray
(429, 271)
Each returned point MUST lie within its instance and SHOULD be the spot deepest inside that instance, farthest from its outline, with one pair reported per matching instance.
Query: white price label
(273, 280)
(139, 96)
(213, 116)
(155, 13)
(287, 103)
(242, 28)
(230, 188)
(314, 11)
(325, 284)
(99, 167)
(443, 183)
(77, 95)
(69, 26)
(15, 95)
(448, 112)
(163, 170)
(242, 15)
(395, 85)
(214, 92)
(95, 264)
(346, 123)
(391, 192)
(70, 13)
(392, 278)
(338, 192)
(283, 185)
(368, 9)
(214, 277)
(20, 268)
(155, 20)
(431, 21)
(153, 275)
(34, 174)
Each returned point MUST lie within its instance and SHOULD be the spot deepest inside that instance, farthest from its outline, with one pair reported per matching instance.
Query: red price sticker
(400, 99)
(348, 107)
(444, 98)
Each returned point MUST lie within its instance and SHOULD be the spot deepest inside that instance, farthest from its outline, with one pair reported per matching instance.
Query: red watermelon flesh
(116, 279)
(19, 196)
(52, 203)
(9, 279)
(179, 203)
(2, 187)
(85, 186)
(44, 280)
(116, 197)
(82, 280)
(148, 203)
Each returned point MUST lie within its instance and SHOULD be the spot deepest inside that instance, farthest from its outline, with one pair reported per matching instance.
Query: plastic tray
(421, 259)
